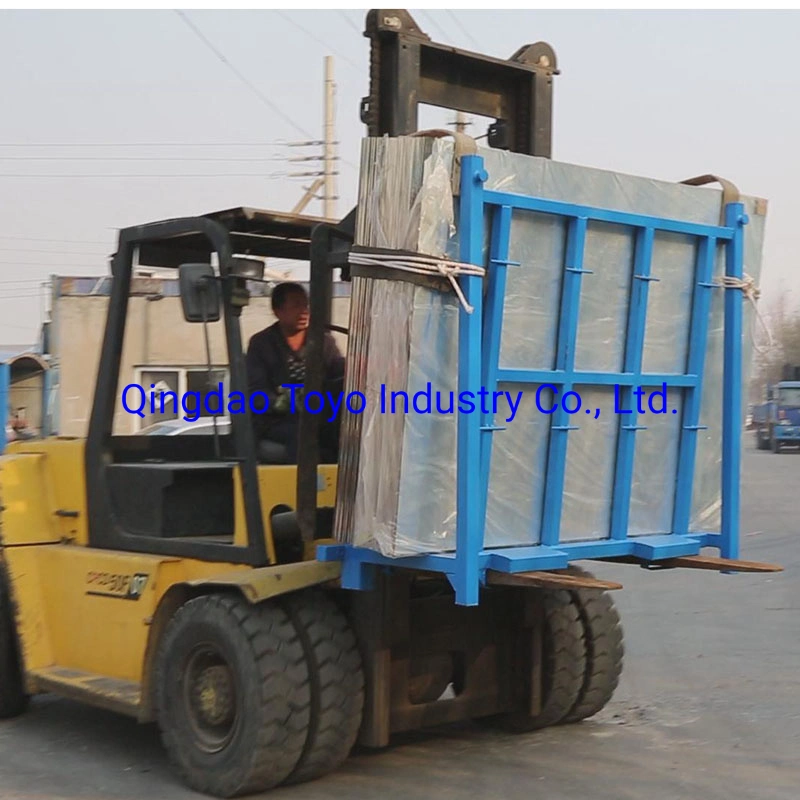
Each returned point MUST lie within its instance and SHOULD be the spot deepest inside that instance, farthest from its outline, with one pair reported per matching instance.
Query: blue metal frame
(479, 351)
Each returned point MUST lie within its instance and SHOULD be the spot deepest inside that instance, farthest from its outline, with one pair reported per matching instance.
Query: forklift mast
(407, 69)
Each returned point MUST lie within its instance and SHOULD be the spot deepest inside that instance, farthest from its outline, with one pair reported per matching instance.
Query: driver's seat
(270, 452)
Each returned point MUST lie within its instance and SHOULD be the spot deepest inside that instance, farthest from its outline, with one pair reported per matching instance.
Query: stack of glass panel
(397, 484)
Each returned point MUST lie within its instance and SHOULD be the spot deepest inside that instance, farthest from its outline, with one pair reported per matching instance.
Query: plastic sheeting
(402, 467)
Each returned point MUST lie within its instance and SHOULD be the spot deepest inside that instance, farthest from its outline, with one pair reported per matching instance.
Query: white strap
(422, 265)
(751, 292)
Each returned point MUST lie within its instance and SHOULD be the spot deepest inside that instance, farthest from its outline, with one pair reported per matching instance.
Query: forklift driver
(276, 357)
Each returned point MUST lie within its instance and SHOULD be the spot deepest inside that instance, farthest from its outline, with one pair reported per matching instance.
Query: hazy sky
(669, 95)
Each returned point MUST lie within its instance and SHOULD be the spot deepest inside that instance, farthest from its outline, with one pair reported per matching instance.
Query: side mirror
(201, 297)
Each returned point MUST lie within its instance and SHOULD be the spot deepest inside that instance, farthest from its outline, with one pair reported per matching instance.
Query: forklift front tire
(232, 695)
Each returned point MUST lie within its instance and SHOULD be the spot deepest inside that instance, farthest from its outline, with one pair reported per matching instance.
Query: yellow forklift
(174, 578)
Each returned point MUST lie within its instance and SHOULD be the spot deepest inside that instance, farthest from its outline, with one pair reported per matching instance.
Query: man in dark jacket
(275, 358)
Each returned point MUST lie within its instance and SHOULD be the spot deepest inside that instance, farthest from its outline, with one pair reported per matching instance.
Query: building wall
(156, 336)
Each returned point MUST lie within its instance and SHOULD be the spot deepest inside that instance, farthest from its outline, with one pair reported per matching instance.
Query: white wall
(156, 335)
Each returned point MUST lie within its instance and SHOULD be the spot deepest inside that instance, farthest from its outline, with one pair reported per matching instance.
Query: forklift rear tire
(13, 700)
(605, 650)
(775, 445)
(232, 695)
(336, 680)
(563, 667)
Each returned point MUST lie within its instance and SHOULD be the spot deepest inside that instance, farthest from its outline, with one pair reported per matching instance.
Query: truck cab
(777, 422)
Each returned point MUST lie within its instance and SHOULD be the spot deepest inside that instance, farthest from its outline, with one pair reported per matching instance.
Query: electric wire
(319, 40)
(43, 239)
(463, 30)
(435, 24)
(269, 142)
(350, 22)
(142, 158)
(48, 252)
(123, 175)
(264, 99)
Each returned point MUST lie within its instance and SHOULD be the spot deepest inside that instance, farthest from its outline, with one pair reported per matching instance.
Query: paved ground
(708, 707)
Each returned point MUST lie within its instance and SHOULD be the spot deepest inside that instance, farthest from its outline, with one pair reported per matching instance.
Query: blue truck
(777, 422)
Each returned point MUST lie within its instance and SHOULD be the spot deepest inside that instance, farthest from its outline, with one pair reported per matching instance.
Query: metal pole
(308, 196)
(469, 504)
(329, 160)
(462, 121)
(732, 385)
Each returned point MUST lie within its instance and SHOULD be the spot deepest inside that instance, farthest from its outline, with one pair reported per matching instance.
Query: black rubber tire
(775, 445)
(336, 680)
(563, 669)
(272, 694)
(13, 700)
(605, 650)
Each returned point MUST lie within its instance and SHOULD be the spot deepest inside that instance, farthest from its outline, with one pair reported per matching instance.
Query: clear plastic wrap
(408, 204)
(406, 463)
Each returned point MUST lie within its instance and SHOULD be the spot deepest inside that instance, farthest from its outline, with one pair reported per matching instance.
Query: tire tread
(283, 704)
(605, 650)
(337, 683)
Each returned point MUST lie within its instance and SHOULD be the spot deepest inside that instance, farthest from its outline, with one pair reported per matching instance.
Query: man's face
(293, 316)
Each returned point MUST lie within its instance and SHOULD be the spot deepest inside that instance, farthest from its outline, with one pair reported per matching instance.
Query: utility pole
(329, 153)
(310, 194)
(461, 122)
(326, 177)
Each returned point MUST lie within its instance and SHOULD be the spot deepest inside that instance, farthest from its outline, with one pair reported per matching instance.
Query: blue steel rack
(478, 363)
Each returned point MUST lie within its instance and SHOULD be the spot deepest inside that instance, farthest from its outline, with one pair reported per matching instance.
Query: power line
(350, 22)
(41, 239)
(435, 24)
(264, 99)
(15, 263)
(20, 327)
(317, 39)
(140, 158)
(49, 252)
(158, 158)
(461, 27)
(269, 142)
(270, 175)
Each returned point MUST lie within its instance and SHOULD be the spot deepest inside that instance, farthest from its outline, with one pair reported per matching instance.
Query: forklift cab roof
(252, 231)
